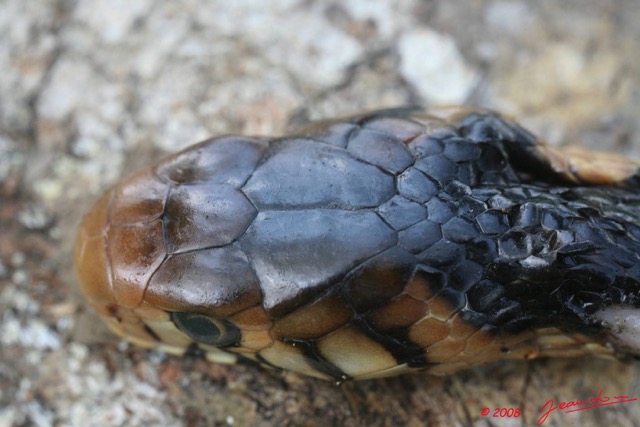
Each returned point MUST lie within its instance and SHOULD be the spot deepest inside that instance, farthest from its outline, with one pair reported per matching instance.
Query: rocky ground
(90, 90)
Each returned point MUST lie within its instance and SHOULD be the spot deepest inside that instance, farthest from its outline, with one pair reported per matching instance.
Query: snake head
(371, 246)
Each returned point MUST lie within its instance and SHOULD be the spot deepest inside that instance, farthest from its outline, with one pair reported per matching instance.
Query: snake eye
(206, 330)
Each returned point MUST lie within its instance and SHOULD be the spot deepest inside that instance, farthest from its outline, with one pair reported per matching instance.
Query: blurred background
(90, 90)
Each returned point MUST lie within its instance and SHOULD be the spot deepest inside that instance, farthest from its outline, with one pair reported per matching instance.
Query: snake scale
(387, 242)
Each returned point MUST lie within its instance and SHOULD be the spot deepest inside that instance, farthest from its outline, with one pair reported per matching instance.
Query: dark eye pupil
(198, 327)
(205, 330)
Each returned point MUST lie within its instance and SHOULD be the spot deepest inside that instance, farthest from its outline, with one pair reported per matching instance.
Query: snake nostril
(112, 310)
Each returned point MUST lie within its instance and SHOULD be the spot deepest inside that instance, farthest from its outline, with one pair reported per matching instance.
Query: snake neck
(558, 257)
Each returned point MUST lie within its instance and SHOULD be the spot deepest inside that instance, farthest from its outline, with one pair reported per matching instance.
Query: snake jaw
(150, 327)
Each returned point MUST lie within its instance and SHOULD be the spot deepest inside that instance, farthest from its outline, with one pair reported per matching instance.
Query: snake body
(383, 243)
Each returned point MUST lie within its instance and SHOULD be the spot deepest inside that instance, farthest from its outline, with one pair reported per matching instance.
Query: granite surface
(92, 89)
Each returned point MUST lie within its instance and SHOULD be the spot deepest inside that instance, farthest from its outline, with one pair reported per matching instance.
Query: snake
(387, 242)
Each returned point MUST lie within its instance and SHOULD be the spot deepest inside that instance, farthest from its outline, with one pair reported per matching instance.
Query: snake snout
(158, 257)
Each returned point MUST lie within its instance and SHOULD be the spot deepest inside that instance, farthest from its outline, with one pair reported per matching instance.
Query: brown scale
(175, 239)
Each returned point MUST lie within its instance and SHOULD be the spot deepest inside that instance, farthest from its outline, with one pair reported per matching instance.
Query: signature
(582, 405)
